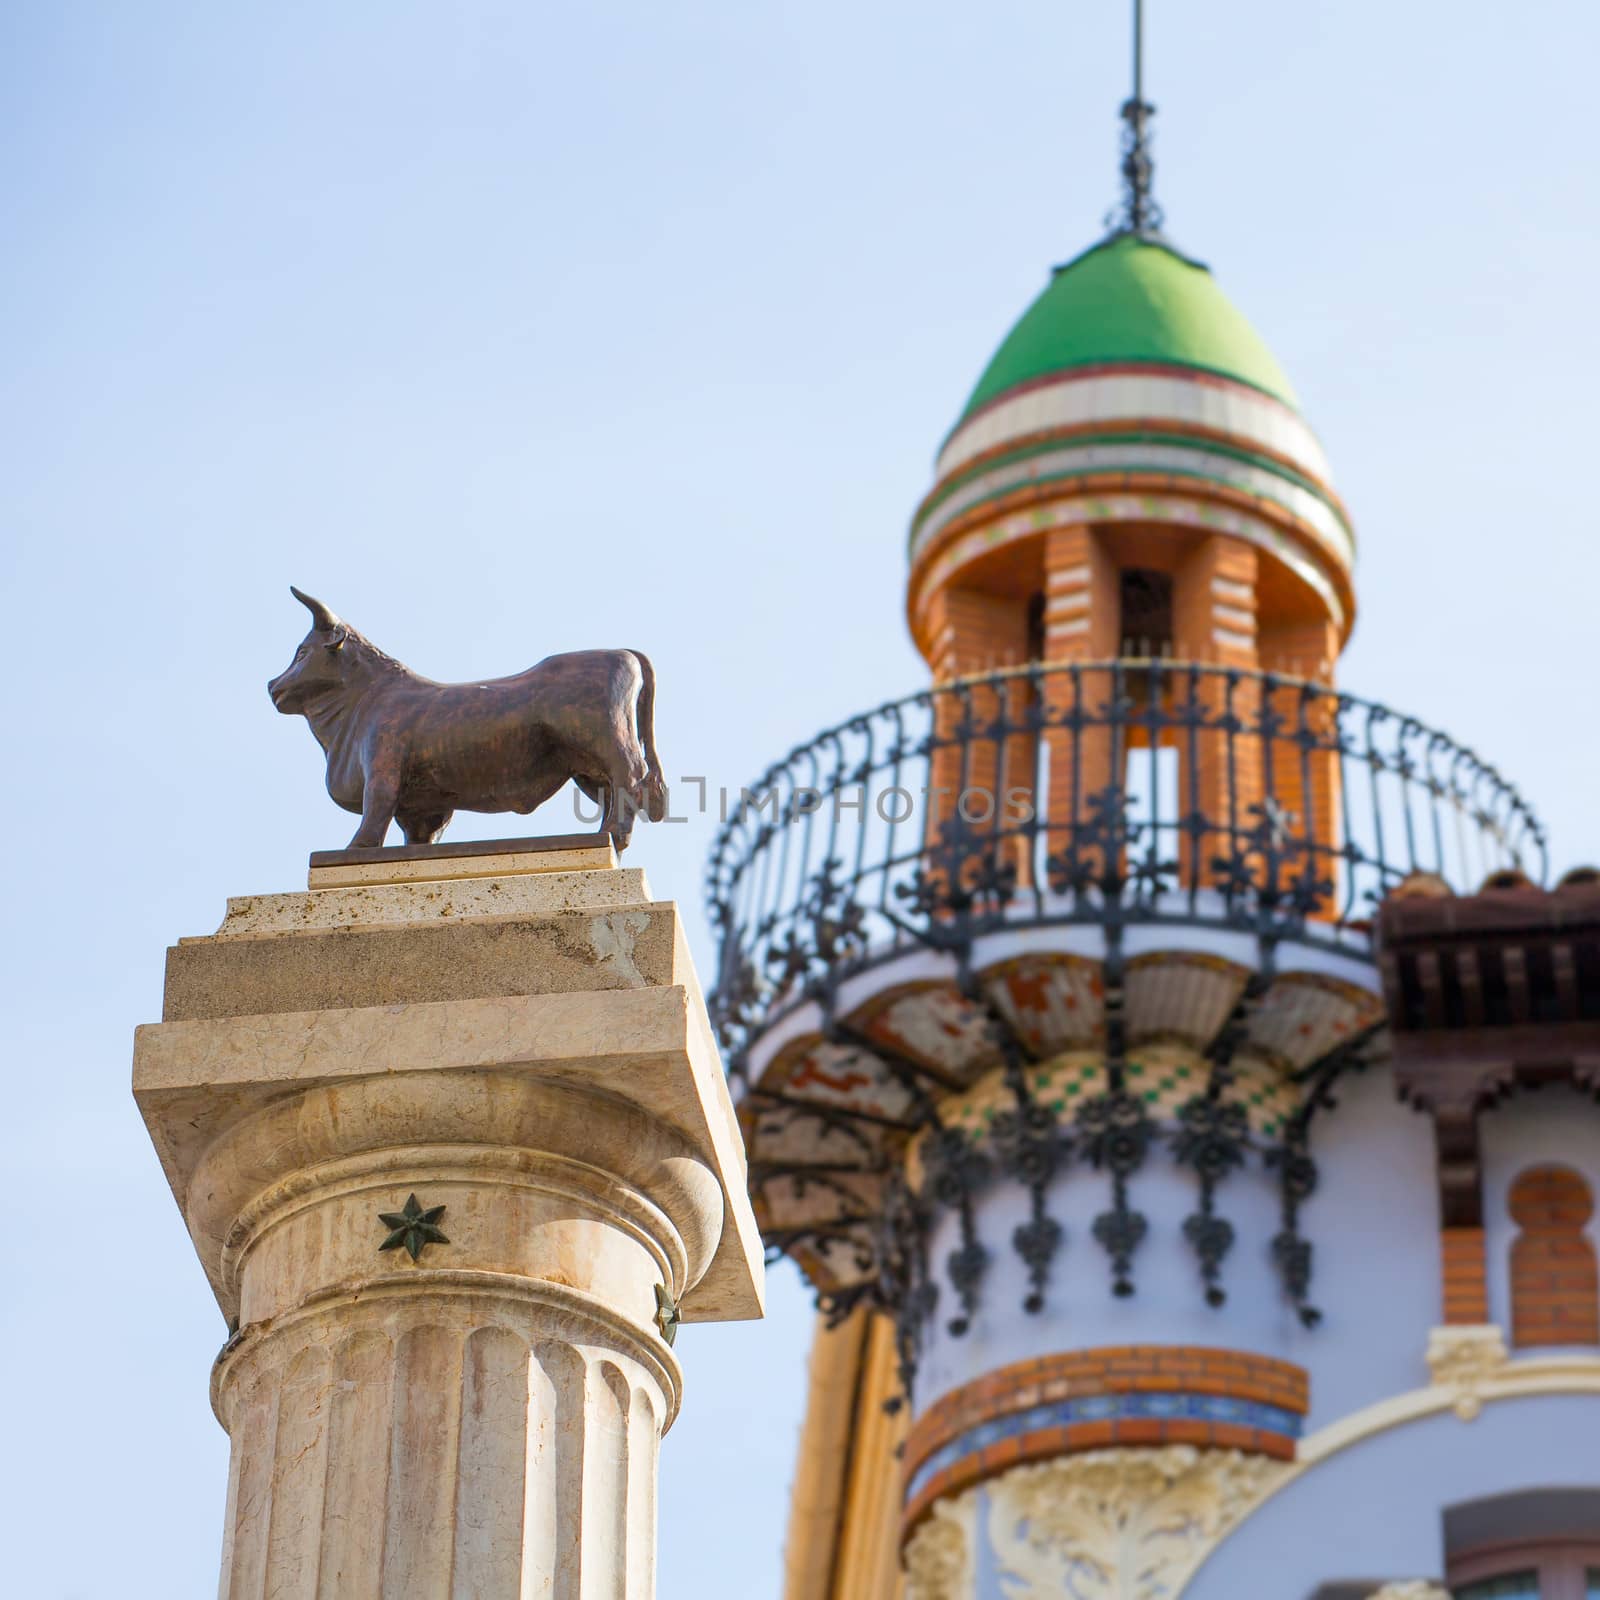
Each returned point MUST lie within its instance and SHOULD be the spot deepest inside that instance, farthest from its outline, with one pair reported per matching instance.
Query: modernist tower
(1131, 1031)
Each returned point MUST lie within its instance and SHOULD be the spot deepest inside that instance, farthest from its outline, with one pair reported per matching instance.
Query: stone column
(453, 1143)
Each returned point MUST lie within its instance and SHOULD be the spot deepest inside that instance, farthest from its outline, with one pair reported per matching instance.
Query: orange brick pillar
(1465, 1275)
(1300, 649)
(1017, 784)
(1081, 624)
(1214, 620)
(1305, 781)
(974, 633)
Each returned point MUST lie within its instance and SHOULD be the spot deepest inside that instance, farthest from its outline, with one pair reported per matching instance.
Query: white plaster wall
(1373, 1223)
(1553, 1126)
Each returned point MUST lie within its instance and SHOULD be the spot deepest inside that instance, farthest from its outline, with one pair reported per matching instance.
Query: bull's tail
(655, 785)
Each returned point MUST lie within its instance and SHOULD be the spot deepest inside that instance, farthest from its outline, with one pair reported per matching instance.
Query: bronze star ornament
(412, 1228)
(666, 1317)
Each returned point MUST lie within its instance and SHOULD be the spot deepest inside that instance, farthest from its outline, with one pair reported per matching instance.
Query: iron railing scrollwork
(1187, 793)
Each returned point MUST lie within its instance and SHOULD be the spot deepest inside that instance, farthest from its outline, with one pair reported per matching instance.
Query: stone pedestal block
(452, 1140)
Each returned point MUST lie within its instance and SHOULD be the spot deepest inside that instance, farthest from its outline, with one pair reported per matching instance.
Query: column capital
(553, 1011)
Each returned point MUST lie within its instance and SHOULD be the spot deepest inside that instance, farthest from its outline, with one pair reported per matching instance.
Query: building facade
(1169, 1070)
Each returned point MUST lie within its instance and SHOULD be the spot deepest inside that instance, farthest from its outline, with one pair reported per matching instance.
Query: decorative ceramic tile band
(1164, 1074)
(1091, 1399)
(1105, 1385)
(1175, 1001)
(1138, 394)
(1203, 1408)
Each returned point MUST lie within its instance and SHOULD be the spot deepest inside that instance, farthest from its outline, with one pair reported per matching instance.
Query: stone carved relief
(939, 1555)
(1119, 1524)
(1462, 1359)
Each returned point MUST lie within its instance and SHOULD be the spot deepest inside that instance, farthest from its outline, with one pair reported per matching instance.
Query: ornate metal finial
(1138, 212)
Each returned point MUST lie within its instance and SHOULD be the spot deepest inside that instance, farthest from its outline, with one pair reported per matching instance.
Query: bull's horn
(320, 614)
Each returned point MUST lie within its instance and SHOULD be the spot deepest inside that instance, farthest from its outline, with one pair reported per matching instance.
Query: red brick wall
(1300, 649)
(976, 632)
(1555, 1286)
(1214, 603)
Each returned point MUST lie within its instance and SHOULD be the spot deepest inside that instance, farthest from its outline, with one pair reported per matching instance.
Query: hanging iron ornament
(956, 1169)
(903, 1285)
(1297, 1174)
(1212, 1138)
(1114, 1132)
(1032, 1146)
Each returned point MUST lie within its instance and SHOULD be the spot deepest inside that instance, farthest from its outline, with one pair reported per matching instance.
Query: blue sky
(512, 328)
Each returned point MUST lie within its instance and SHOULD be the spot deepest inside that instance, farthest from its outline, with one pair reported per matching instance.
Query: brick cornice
(1219, 1397)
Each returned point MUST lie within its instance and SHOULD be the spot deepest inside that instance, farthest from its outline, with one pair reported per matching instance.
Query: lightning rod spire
(1138, 212)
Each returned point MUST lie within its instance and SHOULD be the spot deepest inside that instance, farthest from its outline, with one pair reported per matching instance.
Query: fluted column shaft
(481, 1422)
(463, 1443)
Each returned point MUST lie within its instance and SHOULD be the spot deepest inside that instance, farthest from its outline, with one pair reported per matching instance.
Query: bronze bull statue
(405, 749)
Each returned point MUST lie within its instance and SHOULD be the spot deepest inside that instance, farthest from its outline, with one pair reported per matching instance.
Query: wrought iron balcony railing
(1108, 793)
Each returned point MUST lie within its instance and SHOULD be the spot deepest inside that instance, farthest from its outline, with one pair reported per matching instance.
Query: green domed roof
(1131, 299)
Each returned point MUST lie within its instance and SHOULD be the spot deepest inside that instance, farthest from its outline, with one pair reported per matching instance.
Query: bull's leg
(380, 793)
(604, 793)
(594, 791)
(622, 806)
(619, 817)
(423, 827)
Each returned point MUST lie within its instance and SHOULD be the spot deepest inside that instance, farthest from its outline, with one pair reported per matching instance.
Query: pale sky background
(513, 328)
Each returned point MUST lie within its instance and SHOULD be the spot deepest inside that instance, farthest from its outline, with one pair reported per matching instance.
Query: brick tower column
(972, 768)
(1080, 625)
(1215, 606)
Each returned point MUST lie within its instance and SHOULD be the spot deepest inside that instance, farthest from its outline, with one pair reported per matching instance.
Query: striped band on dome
(1060, 463)
(1141, 395)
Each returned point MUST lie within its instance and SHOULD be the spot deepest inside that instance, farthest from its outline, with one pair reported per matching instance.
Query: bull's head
(318, 664)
